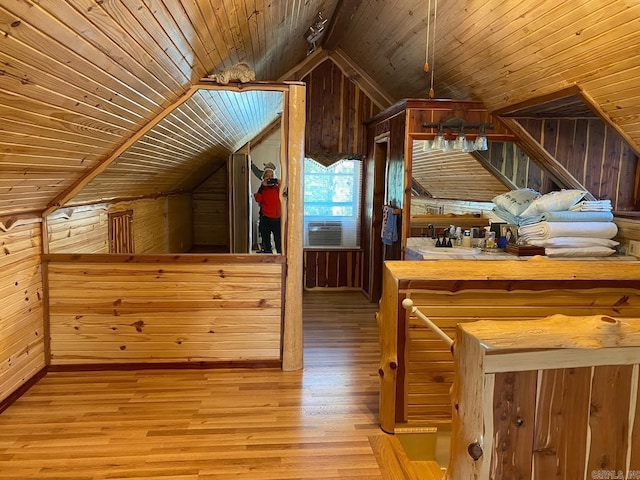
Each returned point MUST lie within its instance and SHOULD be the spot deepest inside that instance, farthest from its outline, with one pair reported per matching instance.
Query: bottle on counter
(466, 239)
(490, 238)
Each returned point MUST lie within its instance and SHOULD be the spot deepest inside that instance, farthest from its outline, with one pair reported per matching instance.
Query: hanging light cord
(432, 92)
(426, 60)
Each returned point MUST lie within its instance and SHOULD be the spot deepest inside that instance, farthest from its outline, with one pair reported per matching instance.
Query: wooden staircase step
(395, 464)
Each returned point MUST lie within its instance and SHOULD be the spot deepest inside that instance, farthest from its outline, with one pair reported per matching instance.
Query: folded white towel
(579, 252)
(592, 206)
(572, 242)
(545, 230)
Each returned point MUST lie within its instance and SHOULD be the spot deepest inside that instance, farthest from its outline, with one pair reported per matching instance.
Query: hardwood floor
(213, 424)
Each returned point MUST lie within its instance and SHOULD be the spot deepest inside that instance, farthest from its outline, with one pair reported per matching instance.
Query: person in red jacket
(268, 197)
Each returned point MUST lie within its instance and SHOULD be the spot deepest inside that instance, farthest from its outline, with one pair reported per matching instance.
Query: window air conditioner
(324, 234)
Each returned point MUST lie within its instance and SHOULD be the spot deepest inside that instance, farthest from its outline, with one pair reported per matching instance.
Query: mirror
(184, 179)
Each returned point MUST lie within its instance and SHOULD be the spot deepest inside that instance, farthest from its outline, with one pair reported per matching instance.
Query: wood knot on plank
(123, 347)
(138, 325)
(475, 451)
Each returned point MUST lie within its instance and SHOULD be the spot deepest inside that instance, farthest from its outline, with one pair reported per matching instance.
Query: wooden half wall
(561, 403)
(416, 366)
(22, 324)
(146, 310)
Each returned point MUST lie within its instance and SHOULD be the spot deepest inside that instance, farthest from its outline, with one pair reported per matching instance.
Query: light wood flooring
(319, 423)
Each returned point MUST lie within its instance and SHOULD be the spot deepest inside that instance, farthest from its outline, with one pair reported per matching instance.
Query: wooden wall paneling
(595, 154)
(522, 167)
(610, 167)
(342, 276)
(370, 87)
(534, 176)
(609, 415)
(179, 223)
(513, 424)
(321, 270)
(164, 311)
(149, 224)
(79, 230)
(314, 118)
(332, 269)
(350, 128)
(549, 139)
(577, 147)
(510, 159)
(22, 337)
(310, 266)
(337, 110)
(332, 124)
(563, 406)
(627, 195)
(595, 146)
(210, 210)
(534, 149)
(634, 463)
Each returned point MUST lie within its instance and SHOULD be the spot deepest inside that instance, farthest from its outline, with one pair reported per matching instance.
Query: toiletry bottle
(458, 236)
(466, 239)
(489, 237)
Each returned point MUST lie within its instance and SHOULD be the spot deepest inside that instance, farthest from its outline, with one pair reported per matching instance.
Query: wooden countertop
(535, 268)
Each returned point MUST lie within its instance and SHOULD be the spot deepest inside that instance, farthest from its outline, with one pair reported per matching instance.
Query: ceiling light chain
(432, 93)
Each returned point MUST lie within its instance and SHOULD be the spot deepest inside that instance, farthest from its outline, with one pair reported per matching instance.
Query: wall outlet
(634, 248)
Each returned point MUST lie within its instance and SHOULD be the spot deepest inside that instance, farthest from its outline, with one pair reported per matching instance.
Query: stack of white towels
(564, 224)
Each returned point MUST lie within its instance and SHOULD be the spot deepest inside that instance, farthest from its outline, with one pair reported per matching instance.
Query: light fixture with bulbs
(457, 127)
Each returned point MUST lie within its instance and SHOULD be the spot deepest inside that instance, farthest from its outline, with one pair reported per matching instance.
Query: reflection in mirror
(460, 183)
(177, 179)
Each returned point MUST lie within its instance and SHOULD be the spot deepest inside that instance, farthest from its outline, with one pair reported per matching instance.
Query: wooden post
(388, 333)
(292, 339)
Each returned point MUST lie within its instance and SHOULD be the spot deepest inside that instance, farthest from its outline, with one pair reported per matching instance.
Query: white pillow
(516, 201)
(554, 202)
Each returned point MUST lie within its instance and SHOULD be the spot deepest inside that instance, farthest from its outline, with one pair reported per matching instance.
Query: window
(332, 204)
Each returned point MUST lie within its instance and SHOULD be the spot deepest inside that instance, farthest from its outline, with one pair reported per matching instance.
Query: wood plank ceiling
(453, 175)
(80, 77)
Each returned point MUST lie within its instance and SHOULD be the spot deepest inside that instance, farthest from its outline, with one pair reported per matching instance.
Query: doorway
(380, 196)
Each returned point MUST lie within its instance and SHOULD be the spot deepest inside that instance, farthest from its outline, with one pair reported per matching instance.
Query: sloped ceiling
(186, 145)
(80, 77)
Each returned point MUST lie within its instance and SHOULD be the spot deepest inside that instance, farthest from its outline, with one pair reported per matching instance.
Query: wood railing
(551, 398)
(416, 366)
